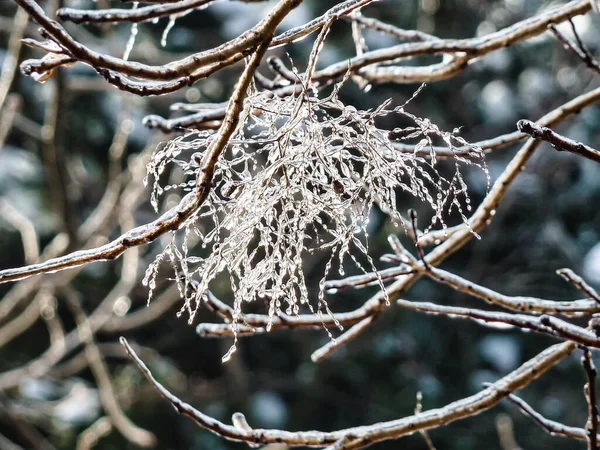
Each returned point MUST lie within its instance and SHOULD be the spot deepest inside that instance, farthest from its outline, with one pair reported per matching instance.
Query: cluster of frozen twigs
(300, 176)
(282, 171)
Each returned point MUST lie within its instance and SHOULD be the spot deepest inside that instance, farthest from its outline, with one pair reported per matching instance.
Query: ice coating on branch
(300, 177)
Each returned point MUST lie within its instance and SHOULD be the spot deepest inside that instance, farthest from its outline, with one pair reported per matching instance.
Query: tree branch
(560, 143)
(360, 437)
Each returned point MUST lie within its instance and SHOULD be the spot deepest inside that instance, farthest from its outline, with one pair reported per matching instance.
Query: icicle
(163, 40)
(132, 36)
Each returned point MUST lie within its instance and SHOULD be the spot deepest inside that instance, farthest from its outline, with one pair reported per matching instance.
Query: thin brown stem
(591, 397)
(560, 143)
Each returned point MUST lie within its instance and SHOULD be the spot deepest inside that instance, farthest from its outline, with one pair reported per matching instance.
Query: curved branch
(245, 44)
(237, 48)
(363, 436)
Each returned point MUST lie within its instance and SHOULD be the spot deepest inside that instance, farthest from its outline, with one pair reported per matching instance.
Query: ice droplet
(227, 356)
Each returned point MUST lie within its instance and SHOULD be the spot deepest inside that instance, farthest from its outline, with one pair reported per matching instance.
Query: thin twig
(514, 303)
(53, 155)
(11, 59)
(335, 344)
(552, 427)
(557, 141)
(591, 398)
(137, 15)
(89, 437)
(413, 220)
(120, 421)
(23, 225)
(580, 50)
(579, 283)
(419, 410)
(12, 105)
(544, 324)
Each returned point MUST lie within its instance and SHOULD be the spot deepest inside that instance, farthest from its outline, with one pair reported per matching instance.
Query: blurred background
(65, 141)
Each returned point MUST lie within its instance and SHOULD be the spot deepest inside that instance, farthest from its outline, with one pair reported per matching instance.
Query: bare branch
(591, 397)
(552, 427)
(89, 437)
(363, 436)
(470, 48)
(11, 60)
(579, 49)
(334, 344)
(579, 283)
(120, 421)
(557, 141)
(12, 105)
(419, 410)
(25, 228)
(544, 324)
(143, 14)
(114, 69)
(514, 303)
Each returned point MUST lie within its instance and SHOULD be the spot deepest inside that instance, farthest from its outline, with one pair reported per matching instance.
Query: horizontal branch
(196, 120)
(153, 1)
(514, 303)
(250, 324)
(559, 142)
(551, 326)
(244, 44)
(143, 14)
(180, 70)
(472, 48)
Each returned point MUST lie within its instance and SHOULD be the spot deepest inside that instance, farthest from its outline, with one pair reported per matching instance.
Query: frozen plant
(300, 176)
